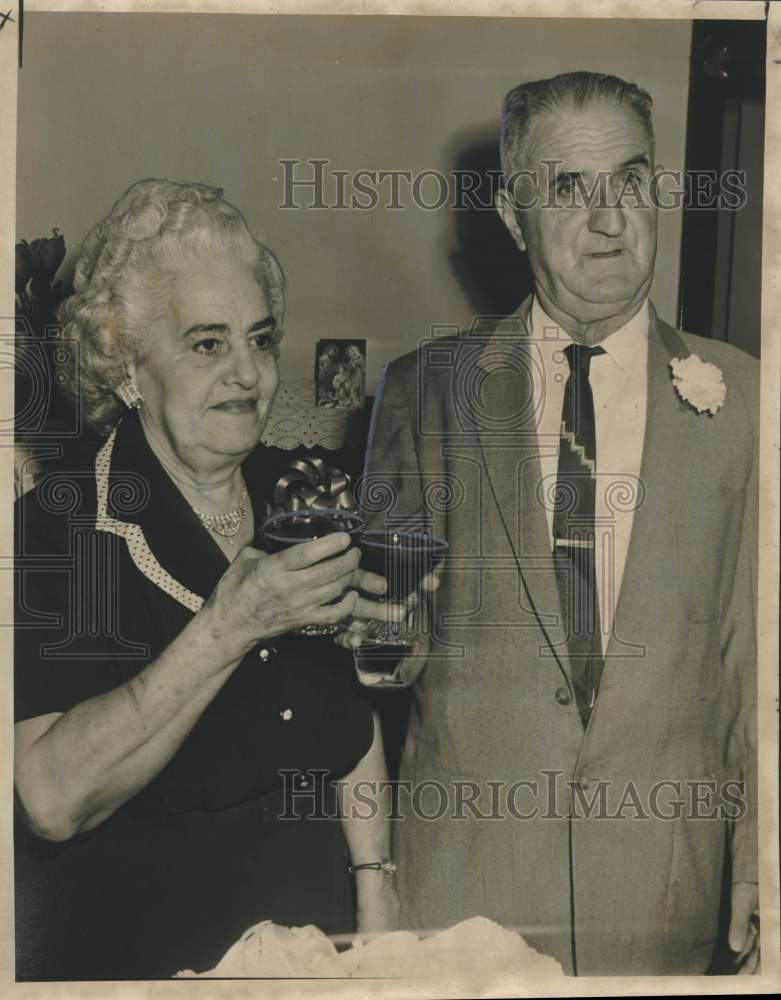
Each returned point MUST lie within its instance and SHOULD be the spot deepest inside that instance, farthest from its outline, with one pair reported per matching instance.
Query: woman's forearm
(73, 773)
(365, 809)
(364, 804)
(101, 752)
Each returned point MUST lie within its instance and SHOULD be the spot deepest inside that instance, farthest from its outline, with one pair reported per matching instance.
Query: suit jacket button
(563, 697)
(286, 715)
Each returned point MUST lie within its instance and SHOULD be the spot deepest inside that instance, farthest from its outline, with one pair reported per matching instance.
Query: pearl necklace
(226, 525)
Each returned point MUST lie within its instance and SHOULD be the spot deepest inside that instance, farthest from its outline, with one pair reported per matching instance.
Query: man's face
(592, 257)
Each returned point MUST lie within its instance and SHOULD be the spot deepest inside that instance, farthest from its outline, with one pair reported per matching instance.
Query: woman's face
(208, 373)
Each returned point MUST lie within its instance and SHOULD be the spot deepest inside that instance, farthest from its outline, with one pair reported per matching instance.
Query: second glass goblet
(403, 558)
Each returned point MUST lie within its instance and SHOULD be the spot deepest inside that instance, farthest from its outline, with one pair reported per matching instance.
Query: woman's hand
(261, 596)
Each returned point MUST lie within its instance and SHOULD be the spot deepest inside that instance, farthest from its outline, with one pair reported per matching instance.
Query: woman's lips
(237, 406)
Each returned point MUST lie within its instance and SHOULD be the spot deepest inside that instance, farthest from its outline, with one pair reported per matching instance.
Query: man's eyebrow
(565, 175)
(639, 160)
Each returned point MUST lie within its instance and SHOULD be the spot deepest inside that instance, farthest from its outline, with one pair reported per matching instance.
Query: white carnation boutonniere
(698, 383)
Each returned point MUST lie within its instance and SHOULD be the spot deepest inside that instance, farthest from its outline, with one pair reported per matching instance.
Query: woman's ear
(505, 206)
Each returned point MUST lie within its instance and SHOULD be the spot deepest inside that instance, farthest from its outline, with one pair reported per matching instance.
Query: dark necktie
(573, 529)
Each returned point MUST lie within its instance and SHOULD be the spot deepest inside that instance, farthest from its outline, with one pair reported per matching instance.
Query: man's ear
(505, 206)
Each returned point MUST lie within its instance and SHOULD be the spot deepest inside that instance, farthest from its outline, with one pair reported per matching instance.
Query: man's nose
(607, 219)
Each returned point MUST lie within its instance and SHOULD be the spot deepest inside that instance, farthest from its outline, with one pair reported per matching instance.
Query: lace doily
(296, 420)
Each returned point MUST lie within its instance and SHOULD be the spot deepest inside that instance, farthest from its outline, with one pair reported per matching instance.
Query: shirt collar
(624, 346)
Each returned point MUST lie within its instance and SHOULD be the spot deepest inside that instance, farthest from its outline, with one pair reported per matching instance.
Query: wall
(737, 306)
(106, 99)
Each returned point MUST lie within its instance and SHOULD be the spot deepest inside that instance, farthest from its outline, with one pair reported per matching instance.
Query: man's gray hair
(536, 97)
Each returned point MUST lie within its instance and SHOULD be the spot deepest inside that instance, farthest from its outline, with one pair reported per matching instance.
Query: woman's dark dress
(176, 874)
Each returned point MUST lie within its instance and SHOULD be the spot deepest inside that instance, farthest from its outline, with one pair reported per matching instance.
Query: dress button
(264, 654)
(286, 715)
(563, 697)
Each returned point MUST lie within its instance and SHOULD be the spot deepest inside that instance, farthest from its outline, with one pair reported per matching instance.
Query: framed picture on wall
(340, 373)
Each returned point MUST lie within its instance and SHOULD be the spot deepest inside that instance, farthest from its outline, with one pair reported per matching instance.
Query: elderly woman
(177, 746)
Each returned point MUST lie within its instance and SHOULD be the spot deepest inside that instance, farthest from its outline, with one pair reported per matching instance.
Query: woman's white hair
(124, 277)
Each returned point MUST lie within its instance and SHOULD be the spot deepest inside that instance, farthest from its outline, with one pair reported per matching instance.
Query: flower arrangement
(41, 411)
(37, 294)
(698, 383)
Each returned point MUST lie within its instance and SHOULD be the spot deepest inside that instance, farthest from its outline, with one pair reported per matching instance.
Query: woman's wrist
(216, 650)
(374, 878)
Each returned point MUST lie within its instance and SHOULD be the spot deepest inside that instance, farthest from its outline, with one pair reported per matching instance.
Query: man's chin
(607, 294)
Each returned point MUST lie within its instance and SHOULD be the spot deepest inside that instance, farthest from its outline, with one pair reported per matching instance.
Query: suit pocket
(698, 574)
(694, 886)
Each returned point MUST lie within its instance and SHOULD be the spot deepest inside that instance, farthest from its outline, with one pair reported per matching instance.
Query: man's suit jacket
(454, 438)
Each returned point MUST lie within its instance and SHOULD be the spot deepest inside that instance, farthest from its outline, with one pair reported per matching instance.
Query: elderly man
(584, 700)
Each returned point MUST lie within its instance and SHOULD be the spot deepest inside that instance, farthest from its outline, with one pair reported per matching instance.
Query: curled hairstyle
(125, 274)
(577, 90)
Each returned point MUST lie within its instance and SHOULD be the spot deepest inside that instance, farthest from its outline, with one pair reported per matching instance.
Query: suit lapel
(505, 424)
(506, 427)
(664, 468)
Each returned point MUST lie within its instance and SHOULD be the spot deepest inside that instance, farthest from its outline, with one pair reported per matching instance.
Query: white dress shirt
(619, 386)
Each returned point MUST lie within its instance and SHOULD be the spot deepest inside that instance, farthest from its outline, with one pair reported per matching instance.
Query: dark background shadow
(494, 274)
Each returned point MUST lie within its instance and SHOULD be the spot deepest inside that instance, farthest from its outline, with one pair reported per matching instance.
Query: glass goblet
(403, 558)
(281, 531)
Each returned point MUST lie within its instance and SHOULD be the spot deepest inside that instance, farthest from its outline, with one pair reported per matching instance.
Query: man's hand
(744, 927)
(367, 612)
